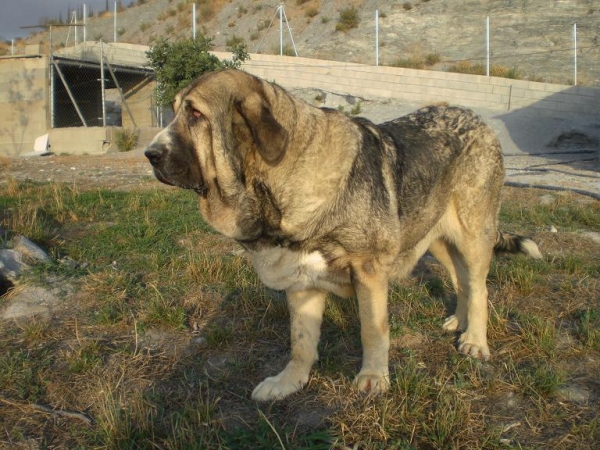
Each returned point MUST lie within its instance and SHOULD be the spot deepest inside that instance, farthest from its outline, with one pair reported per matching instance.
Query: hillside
(530, 39)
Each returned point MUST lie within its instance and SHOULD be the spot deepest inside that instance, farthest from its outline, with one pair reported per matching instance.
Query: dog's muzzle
(156, 154)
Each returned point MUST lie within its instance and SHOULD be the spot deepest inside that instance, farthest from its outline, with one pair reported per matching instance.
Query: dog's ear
(269, 135)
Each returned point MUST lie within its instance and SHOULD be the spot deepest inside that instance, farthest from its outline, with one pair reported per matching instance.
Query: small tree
(176, 64)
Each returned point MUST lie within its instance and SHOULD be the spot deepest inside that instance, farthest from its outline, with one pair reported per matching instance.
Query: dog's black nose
(155, 154)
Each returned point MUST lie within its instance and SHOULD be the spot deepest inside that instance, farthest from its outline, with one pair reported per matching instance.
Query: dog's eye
(196, 114)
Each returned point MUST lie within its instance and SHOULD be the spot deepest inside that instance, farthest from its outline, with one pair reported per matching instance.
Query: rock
(574, 393)
(553, 229)
(28, 302)
(593, 235)
(11, 264)
(30, 250)
(547, 199)
(68, 262)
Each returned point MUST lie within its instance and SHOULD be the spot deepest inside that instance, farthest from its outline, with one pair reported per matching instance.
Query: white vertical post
(575, 54)
(487, 46)
(85, 23)
(115, 24)
(376, 37)
(281, 29)
(194, 20)
(102, 82)
(12, 46)
(76, 30)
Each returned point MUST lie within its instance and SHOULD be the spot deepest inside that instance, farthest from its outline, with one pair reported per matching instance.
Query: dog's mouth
(199, 188)
(160, 177)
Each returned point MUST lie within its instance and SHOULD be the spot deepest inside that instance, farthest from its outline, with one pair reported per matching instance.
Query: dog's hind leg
(468, 267)
(449, 258)
(306, 314)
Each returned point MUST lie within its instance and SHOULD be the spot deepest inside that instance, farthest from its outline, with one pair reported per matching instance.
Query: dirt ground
(114, 170)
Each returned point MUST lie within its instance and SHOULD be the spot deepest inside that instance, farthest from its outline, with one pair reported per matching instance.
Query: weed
(356, 109)
(588, 327)
(126, 140)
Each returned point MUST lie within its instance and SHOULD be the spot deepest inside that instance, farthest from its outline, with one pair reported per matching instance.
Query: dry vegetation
(160, 337)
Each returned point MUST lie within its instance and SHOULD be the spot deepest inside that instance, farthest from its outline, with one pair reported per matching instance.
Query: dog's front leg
(306, 315)
(371, 288)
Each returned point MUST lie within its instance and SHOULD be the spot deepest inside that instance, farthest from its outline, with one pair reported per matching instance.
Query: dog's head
(221, 120)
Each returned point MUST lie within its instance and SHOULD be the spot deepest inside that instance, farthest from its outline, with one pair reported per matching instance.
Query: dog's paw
(453, 323)
(473, 346)
(278, 387)
(372, 383)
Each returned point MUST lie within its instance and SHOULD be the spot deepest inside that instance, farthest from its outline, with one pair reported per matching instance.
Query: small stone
(28, 302)
(200, 340)
(30, 250)
(592, 235)
(68, 262)
(553, 229)
(547, 199)
(11, 263)
(574, 393)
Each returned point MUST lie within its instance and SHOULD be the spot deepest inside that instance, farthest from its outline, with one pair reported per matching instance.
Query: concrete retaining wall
(81, 140)
(24, 95)
(422, 86)
(23, 103)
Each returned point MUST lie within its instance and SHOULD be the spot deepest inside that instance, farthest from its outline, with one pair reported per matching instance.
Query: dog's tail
(512, 243)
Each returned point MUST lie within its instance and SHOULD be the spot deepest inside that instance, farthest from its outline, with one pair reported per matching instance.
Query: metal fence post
(194, 20)
(376, 37)
(487, 46)
(102, 90)
(115, 24)
(575, 54)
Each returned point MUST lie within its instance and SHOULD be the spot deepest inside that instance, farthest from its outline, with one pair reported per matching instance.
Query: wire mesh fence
(97, 84)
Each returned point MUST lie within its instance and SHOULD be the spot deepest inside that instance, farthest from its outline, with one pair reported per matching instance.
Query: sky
(18, 13)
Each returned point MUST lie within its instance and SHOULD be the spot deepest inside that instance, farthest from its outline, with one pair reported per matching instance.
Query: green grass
(168, 330)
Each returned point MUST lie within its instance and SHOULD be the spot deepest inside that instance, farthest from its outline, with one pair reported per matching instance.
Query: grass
(167, 330)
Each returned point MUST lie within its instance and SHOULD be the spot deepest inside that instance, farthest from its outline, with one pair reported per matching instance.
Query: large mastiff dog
(326, 203)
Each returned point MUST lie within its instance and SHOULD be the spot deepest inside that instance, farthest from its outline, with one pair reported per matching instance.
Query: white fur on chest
(283, 269)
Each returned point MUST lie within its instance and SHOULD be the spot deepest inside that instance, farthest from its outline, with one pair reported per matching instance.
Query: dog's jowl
(325, 203)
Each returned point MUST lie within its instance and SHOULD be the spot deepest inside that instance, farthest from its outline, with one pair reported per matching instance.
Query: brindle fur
(326, 203)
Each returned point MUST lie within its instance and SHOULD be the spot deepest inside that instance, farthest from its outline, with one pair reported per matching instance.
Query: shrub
(467, 67)
(348, 19)
(432, 59)
(407, 6)
(311, 12)
(126, 140)
(176, 64)
(409, 63)
(479, 69)
(234, 41)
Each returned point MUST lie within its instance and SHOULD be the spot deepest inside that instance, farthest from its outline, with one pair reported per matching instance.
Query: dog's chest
(282, 269)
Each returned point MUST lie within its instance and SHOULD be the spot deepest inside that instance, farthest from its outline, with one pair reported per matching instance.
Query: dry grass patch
(165, 331)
